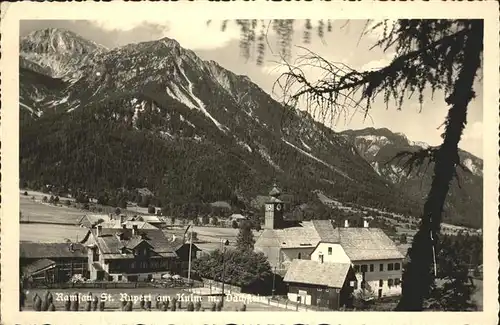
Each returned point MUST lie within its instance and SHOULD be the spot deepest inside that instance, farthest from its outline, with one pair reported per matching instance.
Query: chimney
(71, 248)
(346, 223)
(134, 230)
(99, 231)
(365, 223)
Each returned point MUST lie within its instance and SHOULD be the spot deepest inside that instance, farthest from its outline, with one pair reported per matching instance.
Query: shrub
(141, 303)
(129, 306)
(179, 304)
(244, 307)
(190, 306)
(75, 304)
(51, 307)
(234, 224)
(148, 305)
(67, 305)
(197, 306)
(25, 193)
(165, 306)
(219, 305)
(37, 306)
(95, 303)
(101, 305)
(124, 304)
(158, 303)
(213, 307)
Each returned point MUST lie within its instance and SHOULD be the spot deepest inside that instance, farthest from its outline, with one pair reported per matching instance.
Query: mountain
(154, 115)
(379, 146)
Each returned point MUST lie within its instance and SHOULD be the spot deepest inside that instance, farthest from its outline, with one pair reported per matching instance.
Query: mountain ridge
(193, 130)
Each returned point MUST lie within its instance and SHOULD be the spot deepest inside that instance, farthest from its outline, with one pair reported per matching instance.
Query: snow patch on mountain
(31, 109)
(380, 139)
(376, 167)
(263, 152)
(472, 167)
(420, 144)
(318, 160)
(305, 145)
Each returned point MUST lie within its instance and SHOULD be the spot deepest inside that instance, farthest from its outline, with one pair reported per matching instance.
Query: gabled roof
(110, 244)
(37, 266)
(331, 275)
(326, 232)
(51, 250)
(368, 244)
(275, 191)
(358, 243)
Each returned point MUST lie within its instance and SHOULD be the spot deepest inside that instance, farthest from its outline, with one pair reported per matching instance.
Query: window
(390, 282)
(397, 282)
(355, 285)
(371, 268)
(381, 267)
(110, 278)
(380, 283)
(364, 268)
(95, 255)
(132, 265)
(356, 268)
(299, 256)
(330, 251)
(120, 277)
(321, 258)
(397, 266)
(390, 267)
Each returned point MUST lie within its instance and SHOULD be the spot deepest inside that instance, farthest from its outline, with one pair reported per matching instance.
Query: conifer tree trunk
(418, 275)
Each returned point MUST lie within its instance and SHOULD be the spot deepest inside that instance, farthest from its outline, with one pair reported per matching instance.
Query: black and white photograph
(284, 165)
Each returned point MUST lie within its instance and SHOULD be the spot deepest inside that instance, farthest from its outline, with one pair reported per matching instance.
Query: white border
(232, 10)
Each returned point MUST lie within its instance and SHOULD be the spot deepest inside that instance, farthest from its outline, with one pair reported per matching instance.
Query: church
(369, 252)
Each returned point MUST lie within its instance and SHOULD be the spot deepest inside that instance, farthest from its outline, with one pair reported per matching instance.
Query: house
(129, 253)
(52, 262)
(235, 217)
(116, 221)
(375, 258)
(321, 284)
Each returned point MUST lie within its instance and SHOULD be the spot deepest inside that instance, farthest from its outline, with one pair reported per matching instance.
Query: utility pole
(274, 280)
(190, 253)
(224, 243)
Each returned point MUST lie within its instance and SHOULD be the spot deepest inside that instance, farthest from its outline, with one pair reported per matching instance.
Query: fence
(92, 285)
(228, 288)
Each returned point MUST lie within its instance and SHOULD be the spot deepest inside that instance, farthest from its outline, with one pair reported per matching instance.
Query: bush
(67, 305)
(164, 306)
(51, 307)
(95, 303)
(244, 307)
(219, 305)
(190, 306)
(213, 307)
(124, 304)
(75, 304)
(234, 224)
(101, 305)
(148, 305)
(197, 306)
(37, 306)
(179, 304)
(25, 193)
(128, 306)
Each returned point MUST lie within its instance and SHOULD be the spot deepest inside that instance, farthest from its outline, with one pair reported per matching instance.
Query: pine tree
(245, 240)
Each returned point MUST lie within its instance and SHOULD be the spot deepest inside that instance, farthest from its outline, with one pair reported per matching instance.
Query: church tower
(273, 218)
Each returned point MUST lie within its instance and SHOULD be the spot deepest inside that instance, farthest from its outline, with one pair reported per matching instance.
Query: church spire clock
(273, 218)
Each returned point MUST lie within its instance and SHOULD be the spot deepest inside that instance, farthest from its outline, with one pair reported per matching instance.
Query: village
(316, 265)
(123, 260)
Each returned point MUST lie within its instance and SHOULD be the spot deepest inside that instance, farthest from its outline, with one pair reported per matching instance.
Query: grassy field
(46, 233)
(116, 295)
(35, 211)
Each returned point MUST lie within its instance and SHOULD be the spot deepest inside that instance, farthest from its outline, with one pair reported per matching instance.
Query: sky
(345, 44)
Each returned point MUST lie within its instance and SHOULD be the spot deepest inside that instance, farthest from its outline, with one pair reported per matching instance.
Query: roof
(331, 275)
(148, 218)
(326, 232)
(358, 243)
(235, 216)
(111, 244)
(113, 221)
(38, 265)
(368, 244)
(275, 191)
(51, 250)
(116, 224)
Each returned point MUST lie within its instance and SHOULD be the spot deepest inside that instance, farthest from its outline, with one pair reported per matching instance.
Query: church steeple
(273, 218)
